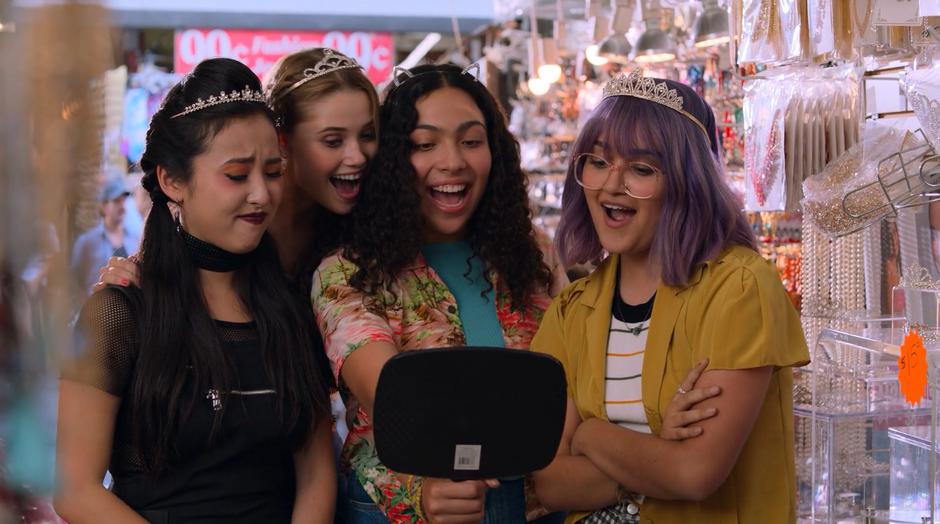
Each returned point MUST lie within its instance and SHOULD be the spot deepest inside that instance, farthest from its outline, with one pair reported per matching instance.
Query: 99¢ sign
(259, 50)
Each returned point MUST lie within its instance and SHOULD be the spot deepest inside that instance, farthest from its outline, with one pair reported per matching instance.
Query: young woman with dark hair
(682, 283)
(442, 253)
(327, 123)
(200, 390)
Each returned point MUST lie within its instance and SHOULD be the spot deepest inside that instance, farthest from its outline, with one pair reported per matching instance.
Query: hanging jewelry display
(823, 261)
(764, 104)
(874, 268)
(833, 273)
(923, 93)
(843, 32)
(761, 39)
(762, 164)
(797, 120)
(866, 183)
(791, 21)
(821, 29)
(862, 29)
(819, 307)
(849, 271)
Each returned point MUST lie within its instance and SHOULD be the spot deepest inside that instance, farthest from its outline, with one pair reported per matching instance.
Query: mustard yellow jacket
(733, 311)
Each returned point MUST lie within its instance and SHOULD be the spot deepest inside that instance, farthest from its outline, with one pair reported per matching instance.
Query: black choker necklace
(209, 257)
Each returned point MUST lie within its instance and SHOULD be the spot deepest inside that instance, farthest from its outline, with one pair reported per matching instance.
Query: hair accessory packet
(797, 120)
(873, 179)
(922, 86)
(764, 157)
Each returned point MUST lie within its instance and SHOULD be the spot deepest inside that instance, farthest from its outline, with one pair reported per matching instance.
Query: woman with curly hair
(682, 283)
(442, 252)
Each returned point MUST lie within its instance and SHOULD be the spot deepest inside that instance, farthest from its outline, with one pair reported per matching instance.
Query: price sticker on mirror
(467, 457)
(912, 368)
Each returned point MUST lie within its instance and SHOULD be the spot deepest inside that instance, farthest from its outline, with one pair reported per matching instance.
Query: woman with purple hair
(681, 285)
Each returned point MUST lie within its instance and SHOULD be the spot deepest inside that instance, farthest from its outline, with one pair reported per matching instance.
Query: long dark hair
(387, 225)
(176, 330)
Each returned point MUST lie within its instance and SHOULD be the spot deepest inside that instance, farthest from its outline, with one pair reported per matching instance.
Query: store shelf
(846, 404)
(877, 340)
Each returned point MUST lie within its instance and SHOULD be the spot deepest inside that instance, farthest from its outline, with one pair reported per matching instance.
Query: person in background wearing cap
(109, 238)
(137, 207)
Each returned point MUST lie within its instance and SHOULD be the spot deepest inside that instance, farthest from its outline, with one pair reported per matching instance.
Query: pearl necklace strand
(834, 283)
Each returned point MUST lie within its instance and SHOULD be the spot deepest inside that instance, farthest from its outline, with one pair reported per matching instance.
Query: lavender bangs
(700, 215)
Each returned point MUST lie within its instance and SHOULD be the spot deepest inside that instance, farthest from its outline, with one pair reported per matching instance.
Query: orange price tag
(912, 368)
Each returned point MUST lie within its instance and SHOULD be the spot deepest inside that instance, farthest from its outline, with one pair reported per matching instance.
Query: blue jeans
(353, 504)
(504, 505)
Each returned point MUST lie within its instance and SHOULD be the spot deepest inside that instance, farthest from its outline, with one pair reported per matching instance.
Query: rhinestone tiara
(245, 95)
(331, 61)
(638, 86)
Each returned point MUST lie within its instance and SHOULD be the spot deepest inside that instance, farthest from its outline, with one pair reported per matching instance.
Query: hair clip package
(855, 22)
(815, 115)
(820, 25)
(861, 186)
(761, 39)
(922, 85)
(791, 22)
(764, 160)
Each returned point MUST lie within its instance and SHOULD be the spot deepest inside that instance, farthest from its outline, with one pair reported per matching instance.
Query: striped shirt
(626, 344)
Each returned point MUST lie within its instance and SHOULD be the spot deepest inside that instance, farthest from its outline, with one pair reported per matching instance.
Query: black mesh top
(246, 475)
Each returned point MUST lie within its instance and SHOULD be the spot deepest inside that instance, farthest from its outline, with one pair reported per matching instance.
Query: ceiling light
(711, 28)
(550, 73)
(616, 48)
(654, 44)
(537, 86)
(549, 68)
(591, 54)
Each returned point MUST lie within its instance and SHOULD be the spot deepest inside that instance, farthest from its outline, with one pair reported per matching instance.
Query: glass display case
(847, 406)
(910, 473)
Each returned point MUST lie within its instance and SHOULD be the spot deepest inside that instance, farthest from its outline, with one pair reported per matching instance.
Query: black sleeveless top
(245, 475)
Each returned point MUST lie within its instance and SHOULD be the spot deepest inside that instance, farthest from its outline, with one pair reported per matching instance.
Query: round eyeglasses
(639, 178)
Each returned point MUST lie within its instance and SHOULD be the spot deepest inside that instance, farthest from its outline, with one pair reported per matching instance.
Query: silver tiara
(331, 61)
(637, 86)
(245, 95)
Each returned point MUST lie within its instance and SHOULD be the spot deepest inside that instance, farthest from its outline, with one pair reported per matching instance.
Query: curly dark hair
(387, 225)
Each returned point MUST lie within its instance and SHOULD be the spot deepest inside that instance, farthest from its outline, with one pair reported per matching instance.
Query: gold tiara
(331, 61)
(245, 95)
(638, 86)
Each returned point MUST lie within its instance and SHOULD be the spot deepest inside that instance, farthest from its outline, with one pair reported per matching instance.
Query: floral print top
(417, 312)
